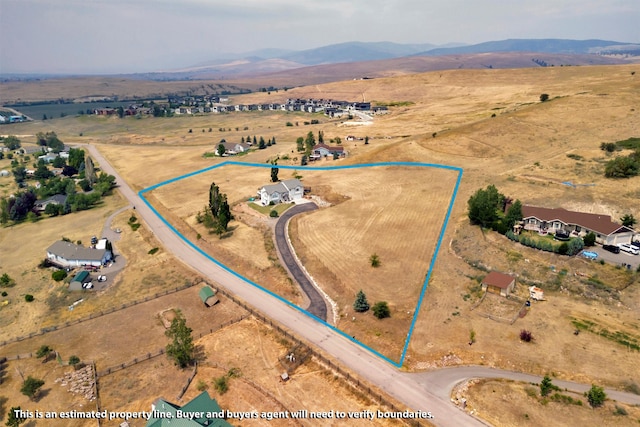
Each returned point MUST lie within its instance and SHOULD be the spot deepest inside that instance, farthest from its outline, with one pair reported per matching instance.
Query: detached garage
(499, 283)
(79, 280)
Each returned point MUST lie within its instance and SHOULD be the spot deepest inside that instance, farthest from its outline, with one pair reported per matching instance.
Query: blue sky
(97, 36)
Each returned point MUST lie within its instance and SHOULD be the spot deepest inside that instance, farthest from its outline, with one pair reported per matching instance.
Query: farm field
(528, 149)
(384, 210)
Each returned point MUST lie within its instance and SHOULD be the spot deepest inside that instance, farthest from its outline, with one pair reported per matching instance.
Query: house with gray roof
(285, 191)
(67, 254)
(57, 199)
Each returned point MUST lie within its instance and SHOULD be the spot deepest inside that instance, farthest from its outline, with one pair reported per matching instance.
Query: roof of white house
(70, 251)
(282, 186)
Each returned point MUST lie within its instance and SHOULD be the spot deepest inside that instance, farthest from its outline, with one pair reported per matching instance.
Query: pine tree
(214, 199)
(361, 305)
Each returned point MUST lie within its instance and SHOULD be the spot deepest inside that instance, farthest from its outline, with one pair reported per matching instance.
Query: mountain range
(269, 61)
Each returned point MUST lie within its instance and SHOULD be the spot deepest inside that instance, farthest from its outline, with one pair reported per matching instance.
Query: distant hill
(355, 52)
(528, 45)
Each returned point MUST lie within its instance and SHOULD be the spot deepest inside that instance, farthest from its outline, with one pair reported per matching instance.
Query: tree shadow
(199, 354)
(41, 394)
(3, 402)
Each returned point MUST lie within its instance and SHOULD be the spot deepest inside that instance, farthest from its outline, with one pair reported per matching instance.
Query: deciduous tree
(381, 310)
(181, 348)
(31, 387)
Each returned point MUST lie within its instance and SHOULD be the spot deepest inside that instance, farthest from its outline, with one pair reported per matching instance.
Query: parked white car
(87, 285)
(102, 278)
(629, 249)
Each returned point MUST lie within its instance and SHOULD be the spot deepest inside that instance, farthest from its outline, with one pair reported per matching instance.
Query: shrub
(153, 251)
(4, 293)
(374, 260)
(273, 213)
(381, 310)
(620, 411)
(526, 336)
(59, 275)
(43, 351)
(202, 385)
(74, 360)
(596, 396)
(589, 239)
(544, 97)
(221, 384)
(28, 298)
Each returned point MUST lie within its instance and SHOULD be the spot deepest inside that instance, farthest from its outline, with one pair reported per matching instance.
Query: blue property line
(319, 168)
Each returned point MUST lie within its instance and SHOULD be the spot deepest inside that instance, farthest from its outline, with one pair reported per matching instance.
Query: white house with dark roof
(285, 191)
(67, 254)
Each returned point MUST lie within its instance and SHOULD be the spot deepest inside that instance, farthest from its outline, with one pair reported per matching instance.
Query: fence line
(147, 356)
(186, 386)
(99, 314)
(352, 381)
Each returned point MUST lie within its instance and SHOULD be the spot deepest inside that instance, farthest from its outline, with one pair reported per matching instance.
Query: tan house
(498, 283)
(578, 224)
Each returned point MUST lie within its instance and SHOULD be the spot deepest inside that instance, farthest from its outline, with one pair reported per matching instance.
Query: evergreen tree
(89, 171)
(274, 173)
(224, 215)
(361, 305)
(300, 144)
(309, 142)
(546, 386)
(12, 419)
(214, 199)
(273, 141)
(320, 137)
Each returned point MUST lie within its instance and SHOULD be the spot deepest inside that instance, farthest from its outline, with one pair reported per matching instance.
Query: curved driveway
(317, 305)
(422, 391)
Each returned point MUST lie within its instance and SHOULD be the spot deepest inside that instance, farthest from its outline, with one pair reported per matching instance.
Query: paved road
(317, 304)
(421, 391)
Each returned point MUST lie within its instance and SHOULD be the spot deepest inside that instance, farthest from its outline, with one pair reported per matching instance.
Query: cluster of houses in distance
(215, 104)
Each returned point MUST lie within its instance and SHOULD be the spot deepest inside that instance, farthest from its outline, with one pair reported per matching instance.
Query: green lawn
(266, 209)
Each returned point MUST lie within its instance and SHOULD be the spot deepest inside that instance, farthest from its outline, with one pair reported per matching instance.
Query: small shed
(499, 283)
(80, 279)
(208, 296)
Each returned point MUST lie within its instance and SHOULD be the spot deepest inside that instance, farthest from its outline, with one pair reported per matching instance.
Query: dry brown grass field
(522, 150)
(506, 403)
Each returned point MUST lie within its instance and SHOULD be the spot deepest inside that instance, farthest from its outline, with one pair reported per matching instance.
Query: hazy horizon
(100, 37)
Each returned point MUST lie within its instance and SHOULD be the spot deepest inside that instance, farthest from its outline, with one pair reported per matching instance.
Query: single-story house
(208, 296)
(498, 283)
(67, 254)
(48, 158)
(205, 411)
(578, 224)
(284, 191)
(232, 148)
(324, 150)
(57, 199)
(80, 279)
